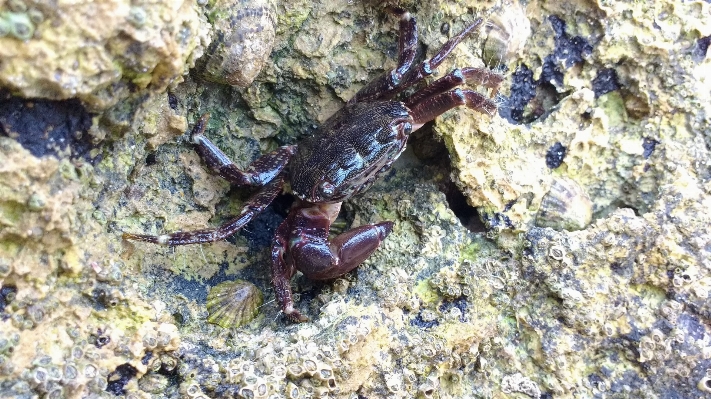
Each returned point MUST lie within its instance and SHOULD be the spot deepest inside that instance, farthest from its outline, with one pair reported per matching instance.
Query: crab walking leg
(283, 271)
(428, 66)
(472, 76)
(386, 85)
(254, 206)
(407, 44)
(436, 105)
(310, 251)
(261, 171)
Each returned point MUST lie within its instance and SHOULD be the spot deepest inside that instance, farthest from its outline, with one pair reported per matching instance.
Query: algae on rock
(619, 308)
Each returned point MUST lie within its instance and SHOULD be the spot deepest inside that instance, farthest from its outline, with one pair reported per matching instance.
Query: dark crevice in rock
(45, 127)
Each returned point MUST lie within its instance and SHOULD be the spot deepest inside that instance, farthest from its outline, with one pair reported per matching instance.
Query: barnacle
(153, 383)
(279, 371)
(17, 6)
(295, 370)
(90, 370)
(292, 391)
(191, 389)
(704, 384)
(163, 339)
(556, 252)
(19, 24)
(149, 341)
(233, 303)
(168, 362)
(35, 15)
(566, 206)
(137, 16)
(429, 388)
(238, 369)
(211, 381)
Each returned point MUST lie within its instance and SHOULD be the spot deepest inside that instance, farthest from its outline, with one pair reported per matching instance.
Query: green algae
(613, 106)
(11, 212)
(425, 293)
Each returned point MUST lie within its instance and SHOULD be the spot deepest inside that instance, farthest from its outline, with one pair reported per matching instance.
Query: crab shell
(350, 151)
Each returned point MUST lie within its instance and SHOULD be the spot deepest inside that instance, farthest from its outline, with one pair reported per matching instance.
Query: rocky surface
(99, 52)
(611, 98)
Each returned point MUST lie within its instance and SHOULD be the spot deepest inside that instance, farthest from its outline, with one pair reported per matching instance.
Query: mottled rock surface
(610, 97)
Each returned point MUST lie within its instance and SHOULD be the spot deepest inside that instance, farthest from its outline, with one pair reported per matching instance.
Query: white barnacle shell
(243, 37)
(566, 206)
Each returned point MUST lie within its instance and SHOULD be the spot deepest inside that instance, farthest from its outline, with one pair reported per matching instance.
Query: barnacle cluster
(587, 271)
(617, 308)
(475, 280)
(519, 383)
(453, 284)
(295, 369)
(68, 320)
(74, 363)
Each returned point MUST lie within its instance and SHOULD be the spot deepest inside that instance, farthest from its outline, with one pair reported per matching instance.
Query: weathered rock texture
(611, 98)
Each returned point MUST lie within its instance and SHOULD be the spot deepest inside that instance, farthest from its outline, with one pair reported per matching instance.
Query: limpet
(233, 303)
(566, 206)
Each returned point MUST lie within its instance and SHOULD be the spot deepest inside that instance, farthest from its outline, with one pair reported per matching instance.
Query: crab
(343, 158)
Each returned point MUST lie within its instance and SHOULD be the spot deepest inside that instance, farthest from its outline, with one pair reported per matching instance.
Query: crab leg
(438, 104)
(408, 41)
(283, 271)
(428, 66)
(261, 171)
(256, 204)
(389, 84)
(474, 76)
(386, 85)
(315, 255)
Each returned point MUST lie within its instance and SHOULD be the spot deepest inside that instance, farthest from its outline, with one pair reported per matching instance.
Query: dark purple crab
(343, 158)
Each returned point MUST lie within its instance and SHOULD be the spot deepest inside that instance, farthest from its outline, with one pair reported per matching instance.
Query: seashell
(233, 303)
(566, 206)
(242, 41)
(509, 30)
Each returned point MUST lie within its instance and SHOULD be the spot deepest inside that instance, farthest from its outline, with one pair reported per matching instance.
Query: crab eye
(326, 189)
(407, 128)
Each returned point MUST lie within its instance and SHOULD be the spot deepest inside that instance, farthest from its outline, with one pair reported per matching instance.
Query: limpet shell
(509, 29)
(566, 206)
(243, 38)
(233, 303)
